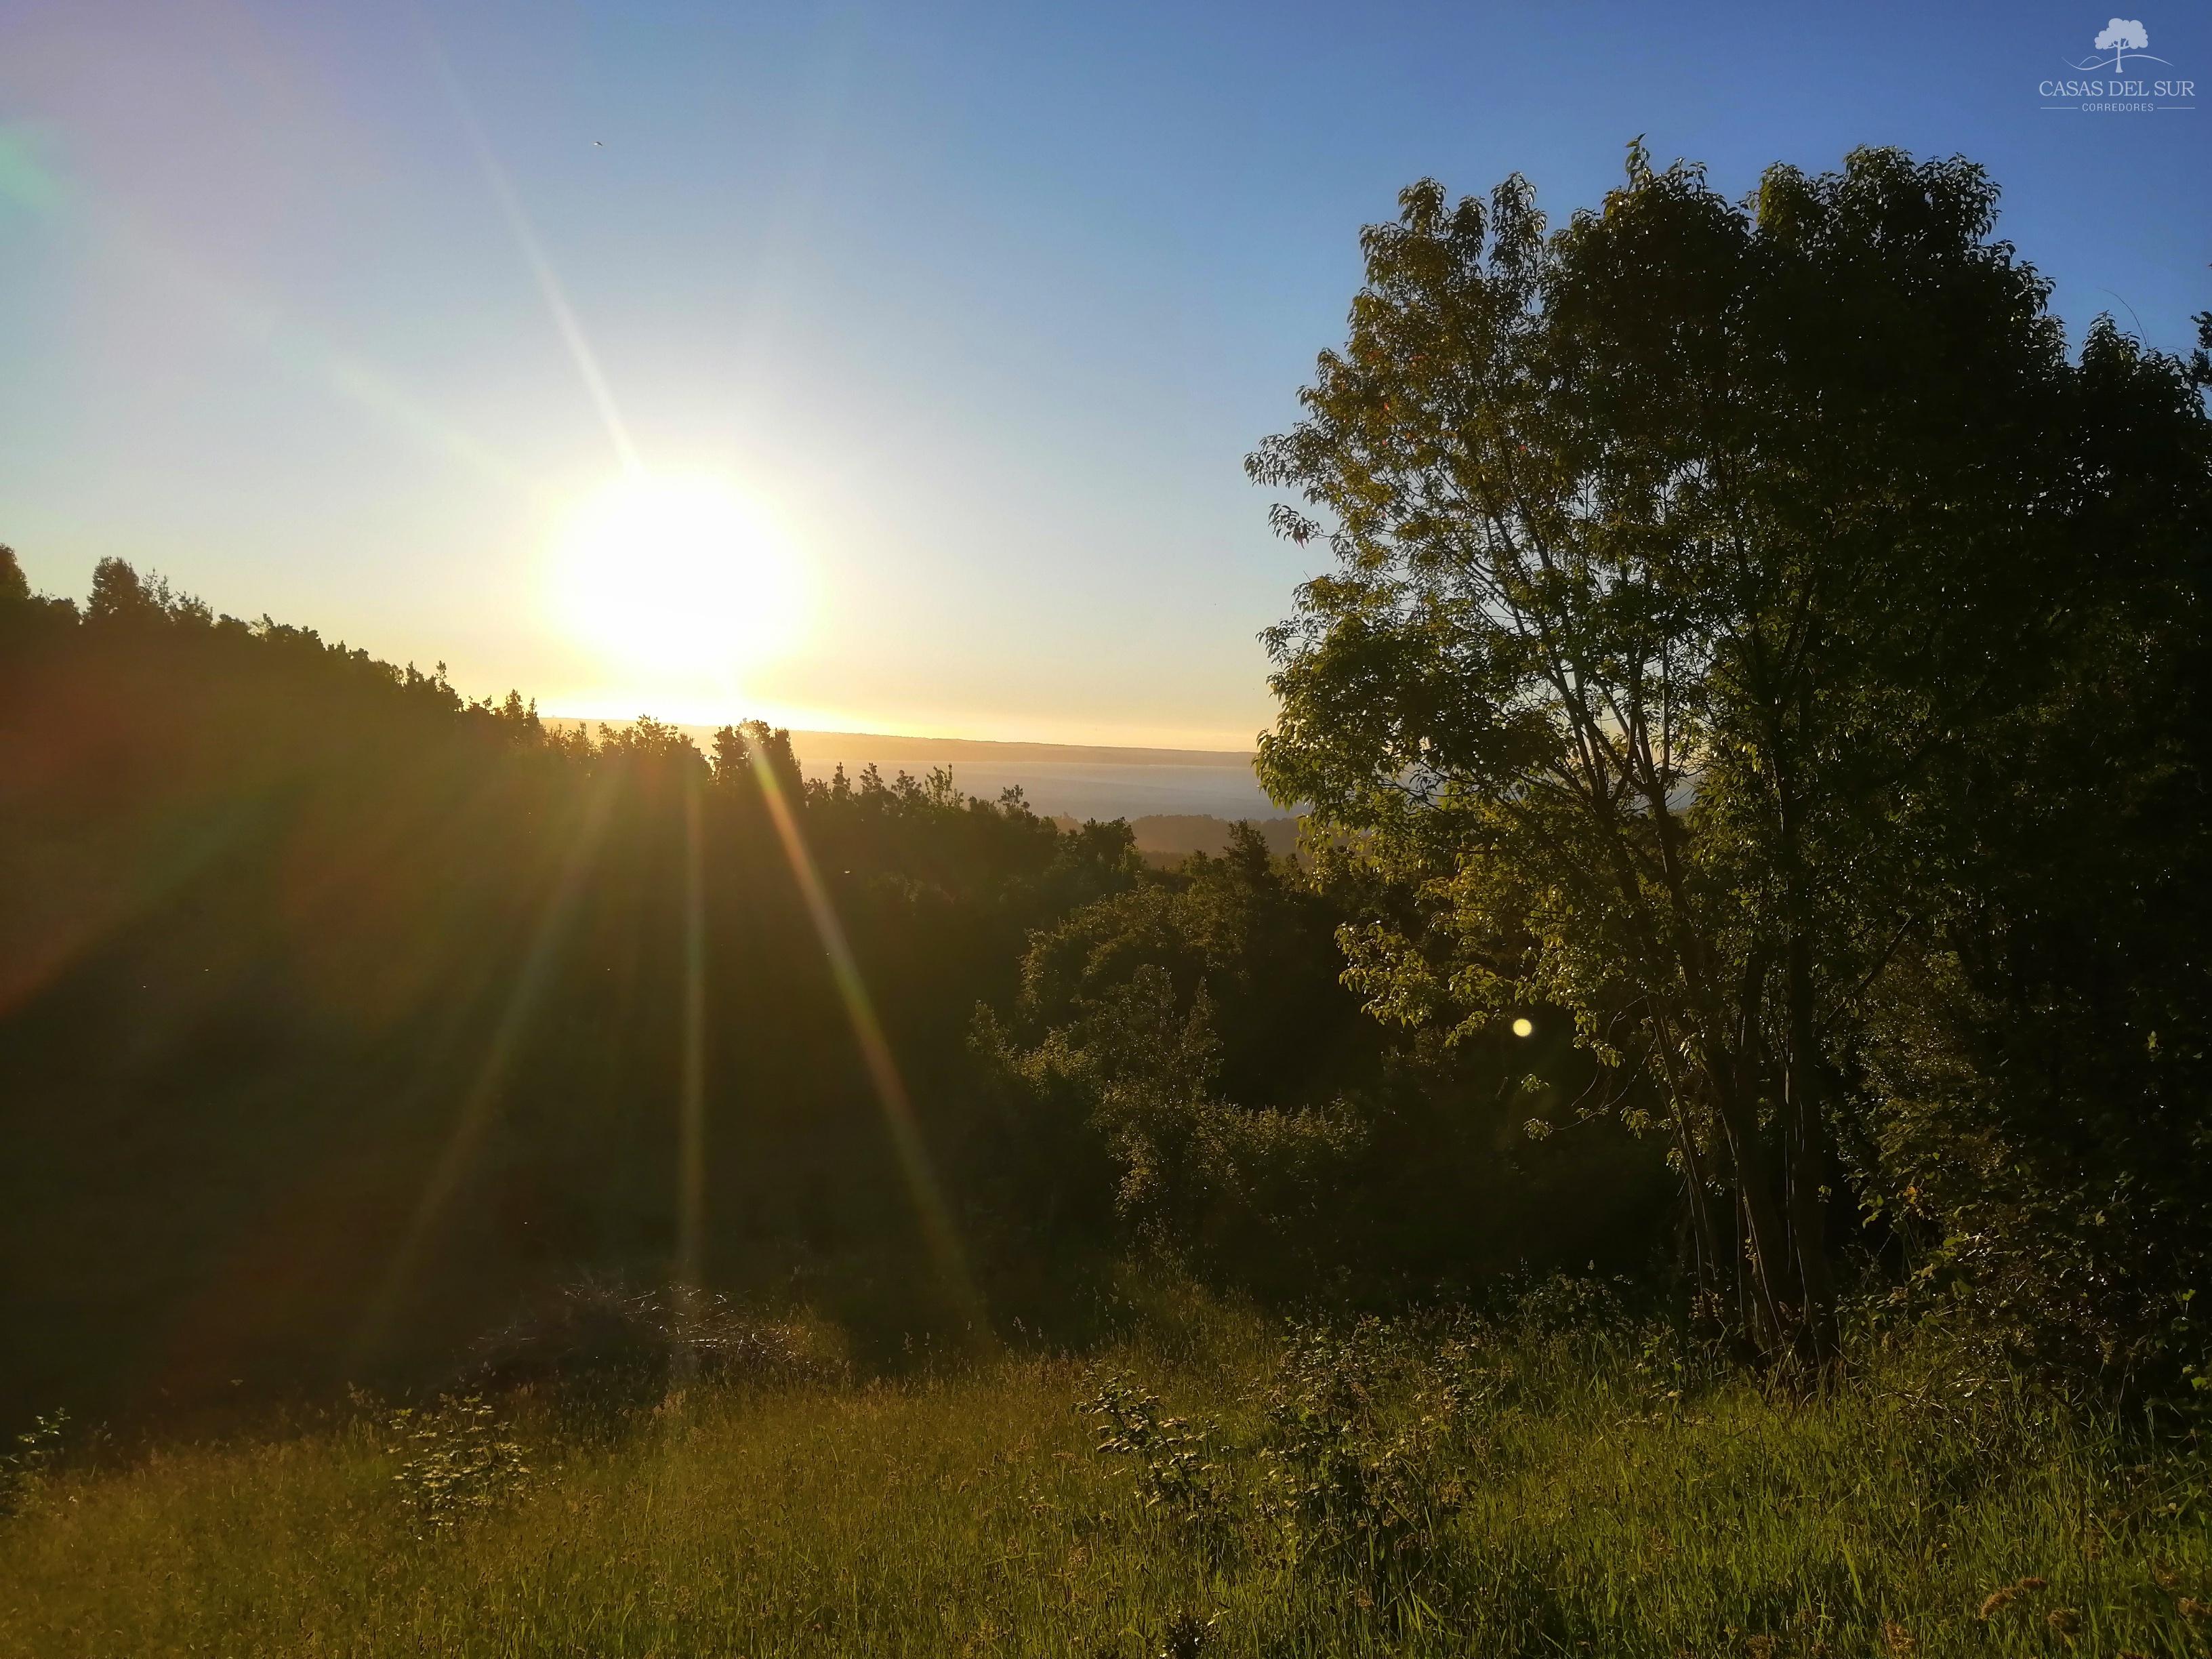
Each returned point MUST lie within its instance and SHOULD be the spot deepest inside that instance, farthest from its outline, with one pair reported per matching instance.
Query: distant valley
(1178, 801)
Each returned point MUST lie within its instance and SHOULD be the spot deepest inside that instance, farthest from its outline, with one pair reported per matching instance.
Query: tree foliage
(1183, 1068)
(1701, 569)
(339, 1014)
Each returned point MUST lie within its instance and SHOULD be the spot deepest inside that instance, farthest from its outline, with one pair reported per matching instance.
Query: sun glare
(684, 574)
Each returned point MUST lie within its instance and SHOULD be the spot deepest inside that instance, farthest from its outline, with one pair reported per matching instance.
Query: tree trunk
(1765, 1239)
(1804, 1099)
(1766, 1235)
(1697, 1189)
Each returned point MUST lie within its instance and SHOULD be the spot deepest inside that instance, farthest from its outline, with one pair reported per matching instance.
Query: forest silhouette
(345, 1017)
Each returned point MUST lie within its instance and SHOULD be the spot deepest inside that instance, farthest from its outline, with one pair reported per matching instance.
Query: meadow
(1550, 1479)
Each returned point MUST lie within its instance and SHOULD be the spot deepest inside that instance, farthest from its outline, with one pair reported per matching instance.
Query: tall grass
(1438, 1486)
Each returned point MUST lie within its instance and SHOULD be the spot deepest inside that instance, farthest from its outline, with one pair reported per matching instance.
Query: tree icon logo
(2121, 37)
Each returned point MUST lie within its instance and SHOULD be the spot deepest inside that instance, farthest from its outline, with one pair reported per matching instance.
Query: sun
(683, 575)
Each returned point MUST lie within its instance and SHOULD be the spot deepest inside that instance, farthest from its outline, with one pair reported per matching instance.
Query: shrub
(1352, 1485)
(1173, 1458)
(38, 1449)
(599, 1343)
(460, 1462)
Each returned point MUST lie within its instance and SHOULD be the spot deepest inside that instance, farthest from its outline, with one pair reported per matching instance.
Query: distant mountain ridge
(991, 752)
(1078, 780)
(1170, 838)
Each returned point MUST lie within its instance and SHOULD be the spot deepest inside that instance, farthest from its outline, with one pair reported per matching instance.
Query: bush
(1352, 1483)
(599, 1343)
(1173, 1458)
(38, 1450)
(460, 1462)
(1185, 1065)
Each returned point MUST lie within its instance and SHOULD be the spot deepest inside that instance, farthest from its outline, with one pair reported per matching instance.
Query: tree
(1681, 555)
(25, 615)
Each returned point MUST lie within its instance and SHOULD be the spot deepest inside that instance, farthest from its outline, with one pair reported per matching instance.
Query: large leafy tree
(1684, 555)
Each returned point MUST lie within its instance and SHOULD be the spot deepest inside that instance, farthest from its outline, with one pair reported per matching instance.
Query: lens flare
(939, 1235)
(479, 1107)
(691, 1106)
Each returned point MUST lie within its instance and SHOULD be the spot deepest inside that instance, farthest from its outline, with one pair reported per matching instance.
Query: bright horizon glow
(682, 575)
(709, 714)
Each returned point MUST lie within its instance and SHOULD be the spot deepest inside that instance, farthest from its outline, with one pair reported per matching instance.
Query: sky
(352, 314)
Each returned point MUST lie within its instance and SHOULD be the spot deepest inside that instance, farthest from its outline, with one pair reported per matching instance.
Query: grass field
(1439, 1487)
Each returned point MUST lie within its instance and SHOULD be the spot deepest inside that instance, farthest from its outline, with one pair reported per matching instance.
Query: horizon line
(844, 732)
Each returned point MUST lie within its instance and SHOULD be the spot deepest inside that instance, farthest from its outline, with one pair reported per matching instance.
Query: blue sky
(985, 303)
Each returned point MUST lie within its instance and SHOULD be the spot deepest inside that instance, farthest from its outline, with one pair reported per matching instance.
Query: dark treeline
(341, 1016)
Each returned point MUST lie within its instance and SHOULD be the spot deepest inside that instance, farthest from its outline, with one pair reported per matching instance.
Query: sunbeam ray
(541, 268)
(928, 1197)
(691, 1106)
(479, 1106)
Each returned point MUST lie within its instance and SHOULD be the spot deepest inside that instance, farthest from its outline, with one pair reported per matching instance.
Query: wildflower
(1998, 1600)
(2032, 1583)
(2065, 1620)
(1898, 1639)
